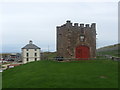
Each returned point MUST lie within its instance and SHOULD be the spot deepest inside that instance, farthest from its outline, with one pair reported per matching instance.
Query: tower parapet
(93, 25)
(82, 25)
(87, 25)
(68, 23)
(58, 27)
(76, 24)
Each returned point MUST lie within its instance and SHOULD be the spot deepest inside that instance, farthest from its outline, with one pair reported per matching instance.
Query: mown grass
(0, 80)
(52, 74)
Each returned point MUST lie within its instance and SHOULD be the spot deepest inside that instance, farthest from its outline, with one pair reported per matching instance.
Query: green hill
(52, 74)
(110, 47)
(48, 55)
(113, 50)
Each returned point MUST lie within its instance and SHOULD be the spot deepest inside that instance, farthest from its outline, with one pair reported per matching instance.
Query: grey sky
(24, 21)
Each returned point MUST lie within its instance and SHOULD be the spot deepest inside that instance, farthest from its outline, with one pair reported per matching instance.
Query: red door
(82, 52)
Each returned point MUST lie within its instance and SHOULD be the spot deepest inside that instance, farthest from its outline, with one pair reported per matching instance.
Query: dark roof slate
(30, 46)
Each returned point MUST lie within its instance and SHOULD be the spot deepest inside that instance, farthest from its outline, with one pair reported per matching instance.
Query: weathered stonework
(68, 39)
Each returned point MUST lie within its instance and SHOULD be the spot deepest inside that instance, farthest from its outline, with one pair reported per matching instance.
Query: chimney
(30, 42)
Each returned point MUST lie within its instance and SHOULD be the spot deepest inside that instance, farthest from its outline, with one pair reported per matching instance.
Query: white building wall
(31, 55)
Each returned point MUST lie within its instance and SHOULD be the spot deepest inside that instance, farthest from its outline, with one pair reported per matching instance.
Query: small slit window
(82, 38)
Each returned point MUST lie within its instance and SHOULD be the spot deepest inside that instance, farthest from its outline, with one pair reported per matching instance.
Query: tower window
(35, 49)
(82, 38)
(27, 49)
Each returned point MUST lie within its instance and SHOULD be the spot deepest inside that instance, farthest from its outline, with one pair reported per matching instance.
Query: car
(1, 59)
(5, 61)
(59, 58)
(10, 60)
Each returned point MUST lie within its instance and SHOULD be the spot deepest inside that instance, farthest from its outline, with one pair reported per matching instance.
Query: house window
(27, 59)
(27, 49)
(82, 38)
(35, 49)
(27, 54)
(35, 59)
(35, 54)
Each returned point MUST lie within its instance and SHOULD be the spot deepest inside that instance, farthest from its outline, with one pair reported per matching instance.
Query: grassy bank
(112, 53)
(51, 74)
(0, 80)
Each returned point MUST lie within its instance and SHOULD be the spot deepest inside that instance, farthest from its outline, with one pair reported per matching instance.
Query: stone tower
(76, 41)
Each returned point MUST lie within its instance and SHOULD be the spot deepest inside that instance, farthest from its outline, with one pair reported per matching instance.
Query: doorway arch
(82, 52)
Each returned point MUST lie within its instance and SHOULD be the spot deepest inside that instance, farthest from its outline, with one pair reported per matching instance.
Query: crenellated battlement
(76, 24)
(81, 25)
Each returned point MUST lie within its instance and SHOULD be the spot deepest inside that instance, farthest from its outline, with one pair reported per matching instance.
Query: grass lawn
(0, 80)
(51, 74)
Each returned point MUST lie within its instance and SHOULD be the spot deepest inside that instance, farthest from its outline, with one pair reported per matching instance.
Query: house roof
(30, 46)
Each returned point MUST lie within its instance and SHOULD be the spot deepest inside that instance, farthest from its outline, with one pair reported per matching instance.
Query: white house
(30, 53)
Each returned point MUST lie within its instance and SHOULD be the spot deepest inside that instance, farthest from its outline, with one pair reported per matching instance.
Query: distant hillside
(113, 50)
(47, 55)
(109, 48)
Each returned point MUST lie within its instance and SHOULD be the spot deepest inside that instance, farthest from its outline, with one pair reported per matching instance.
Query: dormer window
(82, 38)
